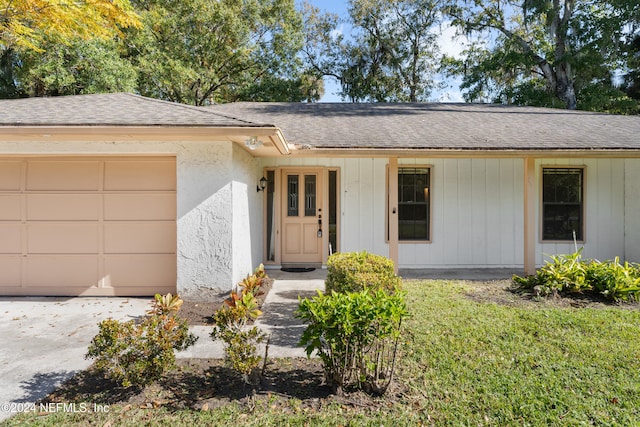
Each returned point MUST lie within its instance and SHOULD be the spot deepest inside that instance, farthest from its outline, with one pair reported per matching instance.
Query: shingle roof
(441, 126)
(113, 109)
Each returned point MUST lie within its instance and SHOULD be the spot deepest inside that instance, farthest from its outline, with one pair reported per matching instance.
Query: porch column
(392, 214)
(529, 216)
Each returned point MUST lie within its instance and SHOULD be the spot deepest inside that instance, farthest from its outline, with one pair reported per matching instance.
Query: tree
(543, 51)
(25, 24)
(307, 87)
(93, 66)
(390, 56)
(200, 52)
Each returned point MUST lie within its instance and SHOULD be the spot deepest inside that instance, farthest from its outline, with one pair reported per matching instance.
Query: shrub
(241, 351)
(138, 354)
(569, 273)
(356, 336)
(619, 282)
(564, 273)
(355, 271)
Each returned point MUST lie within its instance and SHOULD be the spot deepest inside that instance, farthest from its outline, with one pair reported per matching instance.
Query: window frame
(583, 210)
(397, 203)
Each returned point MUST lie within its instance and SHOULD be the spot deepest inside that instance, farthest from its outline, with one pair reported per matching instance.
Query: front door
(302, 216)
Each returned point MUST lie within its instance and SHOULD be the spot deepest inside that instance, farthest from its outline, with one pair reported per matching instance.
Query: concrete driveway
(43, 342)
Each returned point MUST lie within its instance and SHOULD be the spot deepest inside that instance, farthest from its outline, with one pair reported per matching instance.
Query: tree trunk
(564, 85)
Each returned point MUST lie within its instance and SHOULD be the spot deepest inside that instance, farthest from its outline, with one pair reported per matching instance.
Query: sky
(447, 40)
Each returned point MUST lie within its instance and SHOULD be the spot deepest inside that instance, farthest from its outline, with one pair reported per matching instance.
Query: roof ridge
(199, 109)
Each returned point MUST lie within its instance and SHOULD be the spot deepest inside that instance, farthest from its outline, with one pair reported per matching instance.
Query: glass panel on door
(293, 195)
(309, 195)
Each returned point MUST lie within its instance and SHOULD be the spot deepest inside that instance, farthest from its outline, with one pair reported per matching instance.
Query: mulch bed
(201, 312)
(206, 384)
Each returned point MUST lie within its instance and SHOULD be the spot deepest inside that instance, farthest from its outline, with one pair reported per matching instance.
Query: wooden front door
(302, 216)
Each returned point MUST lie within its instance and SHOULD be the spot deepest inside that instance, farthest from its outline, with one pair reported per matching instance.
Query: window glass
(562, 195)
(333, 211)
(309, 195)
(293, 194)
(413, 203)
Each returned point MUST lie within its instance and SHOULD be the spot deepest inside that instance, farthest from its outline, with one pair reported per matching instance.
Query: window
(562, 203)
(413, 203)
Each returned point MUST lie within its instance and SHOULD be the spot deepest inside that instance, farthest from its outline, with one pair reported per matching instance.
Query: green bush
(241, 351)
(356, 336)
(570, 274)
(139, 353)
(355, 271)
(619, 282)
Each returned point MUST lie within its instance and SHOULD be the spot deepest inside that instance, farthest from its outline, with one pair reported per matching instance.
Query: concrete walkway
(278, 319)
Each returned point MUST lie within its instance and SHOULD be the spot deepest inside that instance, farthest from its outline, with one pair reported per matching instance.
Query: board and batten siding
(362, 189)
(477, 209)
(604, 209)
(632, 209)
(477, 216)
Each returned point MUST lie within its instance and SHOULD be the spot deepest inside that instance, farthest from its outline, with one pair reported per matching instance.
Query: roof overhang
(273, 139)
(463, 153)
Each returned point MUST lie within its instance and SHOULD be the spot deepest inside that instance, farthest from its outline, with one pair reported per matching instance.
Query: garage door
(87, 226)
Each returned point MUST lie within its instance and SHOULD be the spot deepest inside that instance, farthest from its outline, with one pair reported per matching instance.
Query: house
(118, 194)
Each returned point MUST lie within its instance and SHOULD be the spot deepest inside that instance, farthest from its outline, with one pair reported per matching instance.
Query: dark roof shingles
(113, 109)
(442, 126)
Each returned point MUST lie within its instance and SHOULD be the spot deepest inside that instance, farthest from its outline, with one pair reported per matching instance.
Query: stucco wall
(247, 214)
(205, 219)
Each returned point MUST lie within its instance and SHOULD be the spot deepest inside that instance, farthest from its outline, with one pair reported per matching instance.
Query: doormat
(297, 269)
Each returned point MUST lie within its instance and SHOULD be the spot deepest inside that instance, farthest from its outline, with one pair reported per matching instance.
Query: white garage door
(87, 226)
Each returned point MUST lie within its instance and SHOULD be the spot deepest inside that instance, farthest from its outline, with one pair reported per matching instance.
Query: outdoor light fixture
(253, 143)
(262, 184)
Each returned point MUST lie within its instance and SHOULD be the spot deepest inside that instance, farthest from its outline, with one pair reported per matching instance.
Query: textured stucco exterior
(247, 214)
(205, 219)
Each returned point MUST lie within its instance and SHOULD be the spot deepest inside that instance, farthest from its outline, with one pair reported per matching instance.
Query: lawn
(472, 354)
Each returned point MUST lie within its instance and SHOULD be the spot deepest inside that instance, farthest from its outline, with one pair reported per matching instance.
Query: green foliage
(553, 55)
(620, 282)
(356, 336)
(564, 273)
(165, 304)
(355, 271)
(252, 283)
(390, 55)
(570, 274)
(492, 360)
(241, 308)
(135, 354)
(74, 68)
(201, 52)
(241, 351)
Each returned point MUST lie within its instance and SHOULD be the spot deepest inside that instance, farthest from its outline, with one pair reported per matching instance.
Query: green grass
(465, 363)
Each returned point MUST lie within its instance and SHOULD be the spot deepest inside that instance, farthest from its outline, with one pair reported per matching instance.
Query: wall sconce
(253, 143)
(262, 184)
